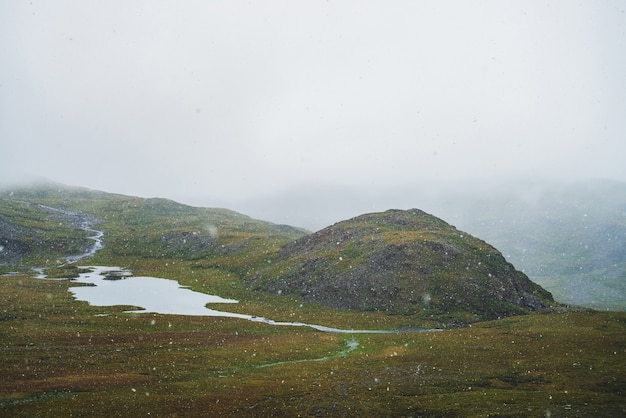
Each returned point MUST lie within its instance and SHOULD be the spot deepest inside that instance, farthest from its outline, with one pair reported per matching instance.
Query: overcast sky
(222, 101)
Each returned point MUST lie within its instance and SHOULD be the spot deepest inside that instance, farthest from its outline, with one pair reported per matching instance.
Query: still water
(113, 286)
(153, 294)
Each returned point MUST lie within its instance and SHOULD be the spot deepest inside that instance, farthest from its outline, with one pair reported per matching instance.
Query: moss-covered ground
(61, 357)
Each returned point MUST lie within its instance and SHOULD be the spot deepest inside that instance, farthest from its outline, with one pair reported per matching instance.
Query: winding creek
(116, 286)
(81, 221)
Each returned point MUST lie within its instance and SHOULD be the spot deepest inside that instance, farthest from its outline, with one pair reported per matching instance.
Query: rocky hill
(404, 262)
(29, 230)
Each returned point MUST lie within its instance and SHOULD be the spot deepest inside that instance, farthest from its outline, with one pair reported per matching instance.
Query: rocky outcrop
(36, 230)
(404, 262)
(16, 241)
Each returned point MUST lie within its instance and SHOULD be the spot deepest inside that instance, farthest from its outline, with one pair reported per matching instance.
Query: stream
(82, 221)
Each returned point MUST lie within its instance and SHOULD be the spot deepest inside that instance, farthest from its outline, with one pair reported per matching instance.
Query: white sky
(218, 101)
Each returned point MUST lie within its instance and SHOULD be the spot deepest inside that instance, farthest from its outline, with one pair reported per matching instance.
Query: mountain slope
(32, 231)
(404, 262)
(133, 227)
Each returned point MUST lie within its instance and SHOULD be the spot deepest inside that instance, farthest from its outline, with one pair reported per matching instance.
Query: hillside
(40, 224)
(30, 231)
(402, 262)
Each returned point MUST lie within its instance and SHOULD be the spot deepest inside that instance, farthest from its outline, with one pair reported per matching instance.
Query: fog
(308, 112)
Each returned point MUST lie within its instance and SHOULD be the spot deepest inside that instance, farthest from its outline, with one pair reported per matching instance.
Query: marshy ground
(61, 357)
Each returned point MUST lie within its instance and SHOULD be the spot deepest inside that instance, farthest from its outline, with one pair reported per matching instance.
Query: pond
(112, 286)
(116, 286)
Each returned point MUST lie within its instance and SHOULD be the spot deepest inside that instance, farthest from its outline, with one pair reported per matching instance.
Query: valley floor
(61, 357)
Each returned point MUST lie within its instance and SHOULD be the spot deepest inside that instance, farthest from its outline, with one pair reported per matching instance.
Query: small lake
(113, 286)
(116, 286)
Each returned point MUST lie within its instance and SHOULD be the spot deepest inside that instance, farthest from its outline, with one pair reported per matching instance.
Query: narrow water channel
(82, 221)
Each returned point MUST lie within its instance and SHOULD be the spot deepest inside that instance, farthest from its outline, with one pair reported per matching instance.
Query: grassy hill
(150, 229)
(28, 232)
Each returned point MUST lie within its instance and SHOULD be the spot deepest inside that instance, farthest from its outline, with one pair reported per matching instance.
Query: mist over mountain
(570, 237)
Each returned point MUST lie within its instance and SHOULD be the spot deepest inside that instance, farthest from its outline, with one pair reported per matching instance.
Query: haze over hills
(570, 237)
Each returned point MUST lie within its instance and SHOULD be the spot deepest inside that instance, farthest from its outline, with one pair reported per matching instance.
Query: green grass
(46, 237)
(59, 356)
